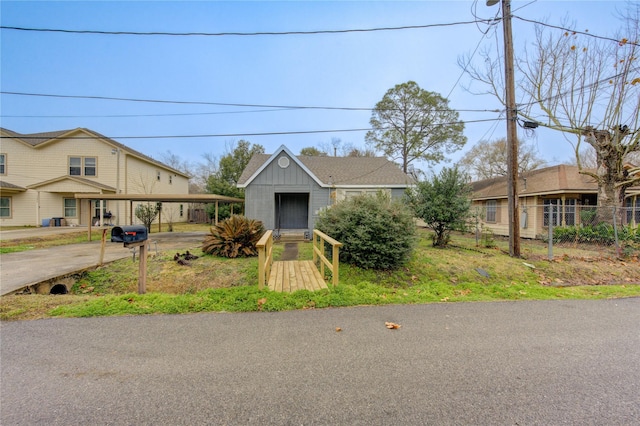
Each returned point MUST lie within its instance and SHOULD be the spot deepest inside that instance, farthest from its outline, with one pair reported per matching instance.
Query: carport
(157, 198)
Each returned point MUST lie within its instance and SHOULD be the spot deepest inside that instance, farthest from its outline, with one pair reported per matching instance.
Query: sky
(256, 76)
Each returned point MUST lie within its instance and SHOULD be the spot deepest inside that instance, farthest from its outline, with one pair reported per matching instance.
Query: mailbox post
(134, 236)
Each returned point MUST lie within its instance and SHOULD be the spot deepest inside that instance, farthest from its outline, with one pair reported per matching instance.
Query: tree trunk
(610, 175)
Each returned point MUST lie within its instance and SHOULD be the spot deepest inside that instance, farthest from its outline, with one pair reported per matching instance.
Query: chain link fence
(569, 230)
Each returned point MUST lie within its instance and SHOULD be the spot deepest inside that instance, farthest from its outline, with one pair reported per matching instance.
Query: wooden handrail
(318, 251)
(265, 258)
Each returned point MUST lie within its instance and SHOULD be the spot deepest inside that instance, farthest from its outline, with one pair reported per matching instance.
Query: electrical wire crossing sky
(192, 78)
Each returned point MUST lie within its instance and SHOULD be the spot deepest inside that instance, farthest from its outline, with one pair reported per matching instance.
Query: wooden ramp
(292, 275)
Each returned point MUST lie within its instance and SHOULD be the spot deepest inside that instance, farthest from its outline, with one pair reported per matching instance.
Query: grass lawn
(463, 272)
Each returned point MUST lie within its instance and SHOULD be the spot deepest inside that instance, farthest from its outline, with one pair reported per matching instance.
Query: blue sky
(331, 70)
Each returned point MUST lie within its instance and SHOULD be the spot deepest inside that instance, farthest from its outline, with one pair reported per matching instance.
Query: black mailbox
(128, 234)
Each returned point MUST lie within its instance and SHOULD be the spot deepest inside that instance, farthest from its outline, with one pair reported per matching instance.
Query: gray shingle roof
(341, 170)
(7, 185)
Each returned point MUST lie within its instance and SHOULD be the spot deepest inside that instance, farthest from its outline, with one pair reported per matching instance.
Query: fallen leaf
(338, 329)
(392, 325)
(444, 299)
(261, 302)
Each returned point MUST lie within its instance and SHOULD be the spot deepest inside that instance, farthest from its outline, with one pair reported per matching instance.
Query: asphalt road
(509, 363)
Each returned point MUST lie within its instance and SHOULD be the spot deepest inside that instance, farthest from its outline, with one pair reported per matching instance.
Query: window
(3, 164)
(5, 206)
(181, 210)
(75, 166)
(90, 166)
(170, 179)
(552, 210)
(492, 210)
(96, 211)
(83, 166)
(70, 207)
(158, 176)
(633, 214)
(570, 212)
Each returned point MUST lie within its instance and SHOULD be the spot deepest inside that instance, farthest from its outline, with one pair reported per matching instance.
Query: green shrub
(376, 231)
(602, 233)
(234, 237)
(488, 239)
(443, 202)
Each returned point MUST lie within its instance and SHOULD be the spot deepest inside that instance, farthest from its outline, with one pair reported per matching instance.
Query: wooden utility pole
(512, 130)
(142, 261)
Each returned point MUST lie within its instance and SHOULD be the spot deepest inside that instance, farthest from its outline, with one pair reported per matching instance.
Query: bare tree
(586, 158)
(202, 172)
(175, 162)
(587, 88)
(488, 159)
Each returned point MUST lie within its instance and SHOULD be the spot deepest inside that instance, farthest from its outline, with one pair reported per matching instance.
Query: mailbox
(128, 234)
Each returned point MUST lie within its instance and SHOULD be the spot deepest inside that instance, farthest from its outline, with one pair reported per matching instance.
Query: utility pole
(512, 130)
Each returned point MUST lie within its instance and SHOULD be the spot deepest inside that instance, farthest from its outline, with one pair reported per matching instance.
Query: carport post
(216, 212)
(89, 220)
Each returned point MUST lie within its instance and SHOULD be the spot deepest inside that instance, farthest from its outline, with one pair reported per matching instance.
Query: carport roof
(166, 198)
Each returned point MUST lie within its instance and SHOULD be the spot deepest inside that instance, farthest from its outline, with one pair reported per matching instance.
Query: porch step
(290, 237)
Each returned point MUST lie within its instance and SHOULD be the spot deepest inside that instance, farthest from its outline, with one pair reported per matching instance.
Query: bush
(147, 213)
(602, 233)
(234, 237)
(376, 232)
(443, 203)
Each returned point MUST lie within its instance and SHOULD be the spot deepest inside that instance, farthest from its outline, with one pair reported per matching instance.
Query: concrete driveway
(23, 269)
(505, 363)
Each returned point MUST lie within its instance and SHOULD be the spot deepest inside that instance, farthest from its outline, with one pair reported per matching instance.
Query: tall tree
(589, 89)
(410, 124)
(230, 167)
(487, 159)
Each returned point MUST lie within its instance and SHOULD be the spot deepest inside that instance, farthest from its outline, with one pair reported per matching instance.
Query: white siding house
(41, 173)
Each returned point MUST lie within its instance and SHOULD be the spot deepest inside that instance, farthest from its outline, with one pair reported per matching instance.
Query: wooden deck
(292, 275)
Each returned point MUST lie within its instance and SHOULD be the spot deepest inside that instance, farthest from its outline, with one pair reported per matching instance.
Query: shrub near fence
(588, 231)
(615, 228)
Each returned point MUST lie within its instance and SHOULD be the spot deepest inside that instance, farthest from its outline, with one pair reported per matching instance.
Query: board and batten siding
(260, 193)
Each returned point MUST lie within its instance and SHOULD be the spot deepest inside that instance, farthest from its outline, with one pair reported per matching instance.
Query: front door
(292, 210)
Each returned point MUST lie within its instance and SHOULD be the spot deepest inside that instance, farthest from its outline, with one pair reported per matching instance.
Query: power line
(241, 34)
(585, 33)
(218, 135)
(162, 101)
(146, 115)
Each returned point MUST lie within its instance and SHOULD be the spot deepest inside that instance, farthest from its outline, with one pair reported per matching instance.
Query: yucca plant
(234, 237)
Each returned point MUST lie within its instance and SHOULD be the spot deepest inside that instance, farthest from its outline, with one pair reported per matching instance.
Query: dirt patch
(565, 272)
(290, 252)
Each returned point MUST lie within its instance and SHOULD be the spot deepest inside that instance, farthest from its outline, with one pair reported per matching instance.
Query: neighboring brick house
(557, 194)
(40, 174)
(287, 192)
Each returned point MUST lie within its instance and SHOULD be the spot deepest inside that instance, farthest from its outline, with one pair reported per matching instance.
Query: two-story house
(41, 173)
